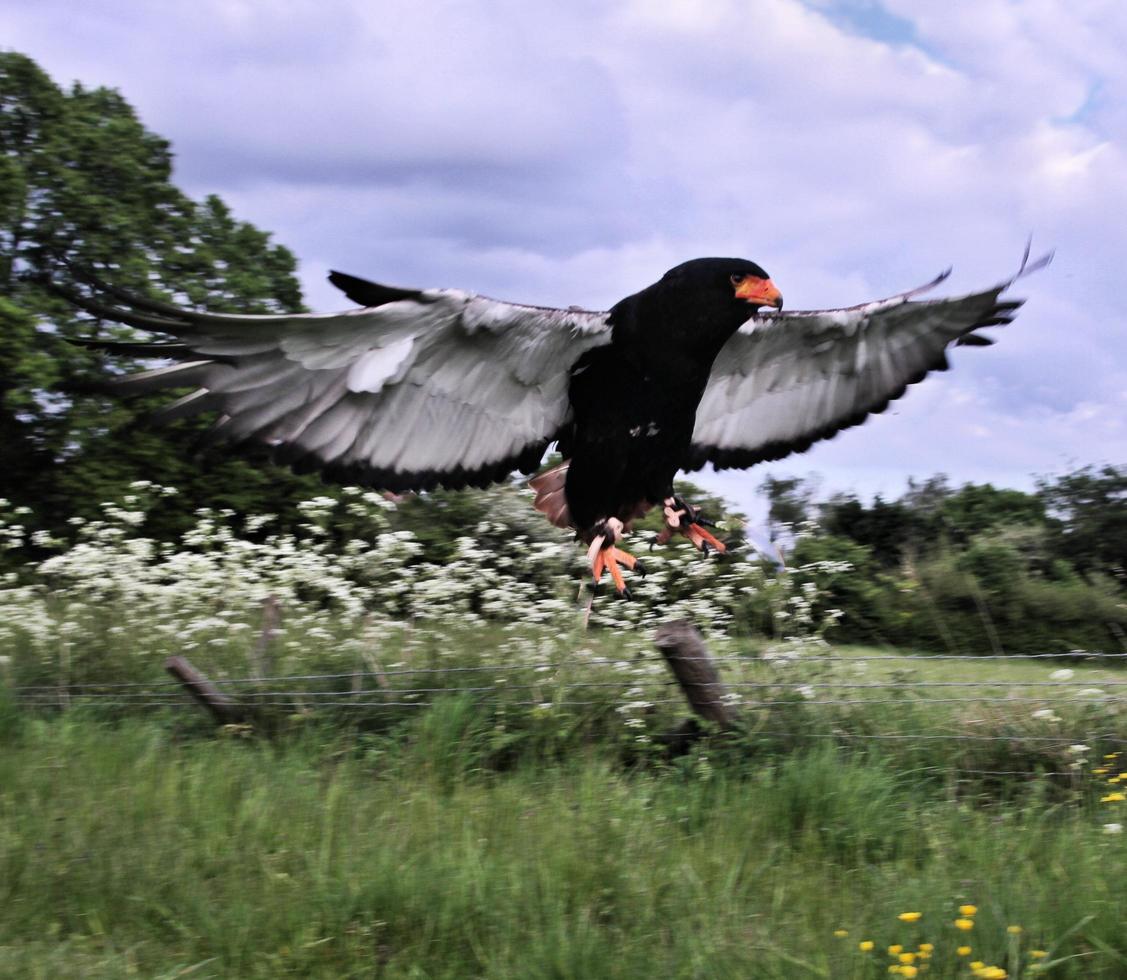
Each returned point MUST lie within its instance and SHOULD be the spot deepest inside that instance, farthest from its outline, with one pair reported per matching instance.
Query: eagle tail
(550, 499)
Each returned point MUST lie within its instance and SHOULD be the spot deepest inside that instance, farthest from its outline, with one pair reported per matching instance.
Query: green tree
(977, 508)
(790, 502)
(84, 185)
(1089, 508)
(886, 528)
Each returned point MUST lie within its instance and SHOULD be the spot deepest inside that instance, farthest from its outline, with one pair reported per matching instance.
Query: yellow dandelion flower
(968, 910)
(1113, 780)
(1099, 772)
(895, 969)
(964, 924)
(840, 933)
(1112, 755)
(1038, 954)
(895, 950)
(907, 958)
(909, 971)
(910, 916)
(926, 948)
(963, 951)
(866, 945)
(1013, 930)
(994, 973)
(1113, 798)
(977, 965)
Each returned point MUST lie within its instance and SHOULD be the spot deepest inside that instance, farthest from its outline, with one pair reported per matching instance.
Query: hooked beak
(759, 292)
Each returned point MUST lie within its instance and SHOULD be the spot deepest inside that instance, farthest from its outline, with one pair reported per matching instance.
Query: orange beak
(759, 292)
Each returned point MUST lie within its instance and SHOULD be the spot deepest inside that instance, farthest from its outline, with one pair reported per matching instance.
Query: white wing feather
(787, 380)
(447, 387)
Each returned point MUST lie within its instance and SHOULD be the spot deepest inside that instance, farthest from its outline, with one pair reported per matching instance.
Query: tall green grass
(135, 850)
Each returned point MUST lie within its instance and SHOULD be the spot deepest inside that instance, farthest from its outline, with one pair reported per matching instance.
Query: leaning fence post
(683, 648)
(224, 709)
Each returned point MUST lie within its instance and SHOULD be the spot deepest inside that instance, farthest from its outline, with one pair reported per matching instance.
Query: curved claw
(605, 557)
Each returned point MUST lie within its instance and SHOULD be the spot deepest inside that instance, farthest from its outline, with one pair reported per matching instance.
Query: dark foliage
(977, 568)
(84, 185)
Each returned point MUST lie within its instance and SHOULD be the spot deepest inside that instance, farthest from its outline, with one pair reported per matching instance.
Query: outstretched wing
(416, 389)
(787, 380)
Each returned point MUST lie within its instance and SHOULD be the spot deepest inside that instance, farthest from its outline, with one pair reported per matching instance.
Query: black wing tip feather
(1028, 268)
(122, 348)
(367, 293)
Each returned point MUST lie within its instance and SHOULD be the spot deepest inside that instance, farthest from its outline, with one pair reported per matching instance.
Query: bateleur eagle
(419, 388)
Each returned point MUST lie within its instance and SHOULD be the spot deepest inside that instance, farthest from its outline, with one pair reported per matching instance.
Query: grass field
(147, 849)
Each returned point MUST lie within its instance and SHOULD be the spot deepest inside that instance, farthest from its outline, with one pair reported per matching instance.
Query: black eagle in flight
(418, 388)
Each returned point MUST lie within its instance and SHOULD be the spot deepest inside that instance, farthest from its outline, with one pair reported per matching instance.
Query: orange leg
(683, 518)
(604, 556)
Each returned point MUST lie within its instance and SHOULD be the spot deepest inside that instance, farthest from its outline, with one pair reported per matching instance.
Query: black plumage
(634, 402)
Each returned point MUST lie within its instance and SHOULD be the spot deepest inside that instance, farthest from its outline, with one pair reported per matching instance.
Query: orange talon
(700, 538)
(604, 556)
(625, 558)
(615, 571)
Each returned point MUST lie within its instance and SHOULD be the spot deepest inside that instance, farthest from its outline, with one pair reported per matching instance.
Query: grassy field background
(150, 847)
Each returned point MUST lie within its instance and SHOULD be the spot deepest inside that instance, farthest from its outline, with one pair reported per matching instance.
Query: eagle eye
(736, 278)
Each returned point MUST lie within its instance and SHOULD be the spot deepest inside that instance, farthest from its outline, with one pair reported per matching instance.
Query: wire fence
(756, 688)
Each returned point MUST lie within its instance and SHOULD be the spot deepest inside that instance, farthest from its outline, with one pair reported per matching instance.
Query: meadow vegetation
(461, 781)
(143, 849)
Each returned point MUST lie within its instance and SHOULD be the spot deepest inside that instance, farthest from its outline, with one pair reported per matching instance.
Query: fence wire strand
(762, 684)
(765, 662)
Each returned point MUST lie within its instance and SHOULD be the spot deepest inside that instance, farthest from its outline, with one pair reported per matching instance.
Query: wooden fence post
(262, 657)
(692, 665)
(225, 710)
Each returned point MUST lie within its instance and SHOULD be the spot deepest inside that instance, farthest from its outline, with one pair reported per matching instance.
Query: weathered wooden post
(683, 648)
(262, 657)
(224, 709)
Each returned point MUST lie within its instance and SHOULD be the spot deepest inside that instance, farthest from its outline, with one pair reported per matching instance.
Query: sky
(570, 152)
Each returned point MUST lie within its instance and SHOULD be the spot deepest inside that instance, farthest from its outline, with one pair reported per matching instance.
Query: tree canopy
(85, 186)
(975, 567)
